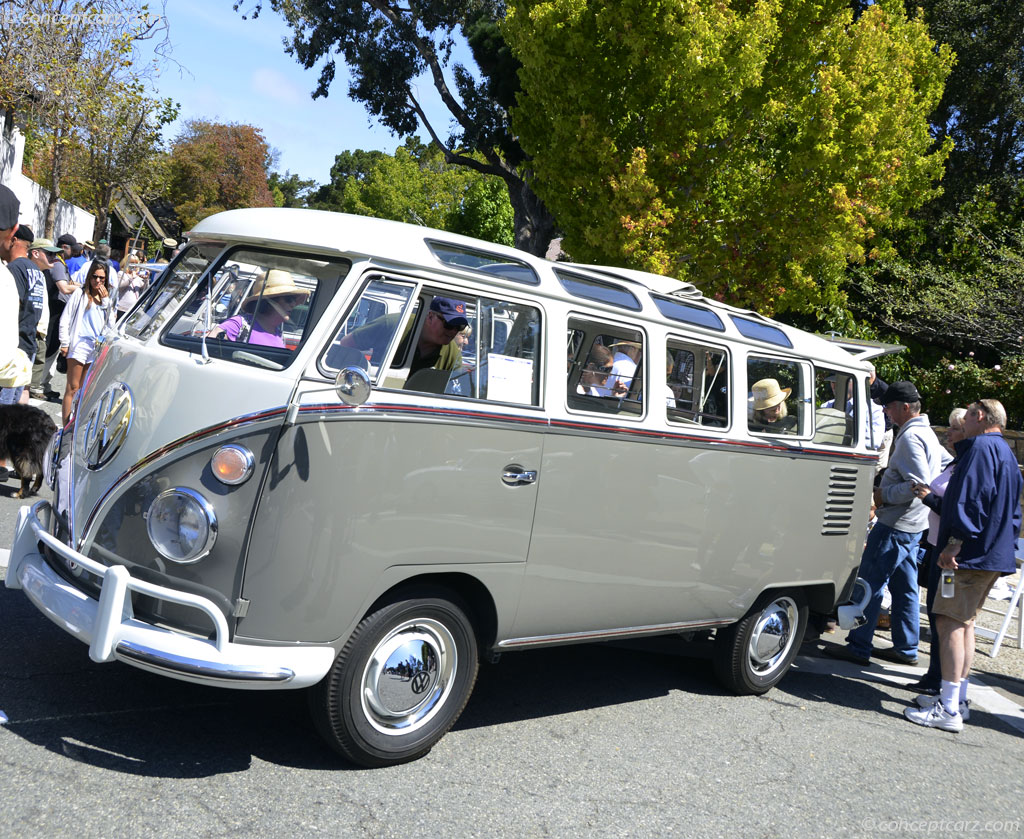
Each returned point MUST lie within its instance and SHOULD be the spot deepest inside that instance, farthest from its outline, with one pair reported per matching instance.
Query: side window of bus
(775, 397)
(501, 354)
(605, 368)
(459, 346)
(835, 415)
(370, 329)
(697, 385)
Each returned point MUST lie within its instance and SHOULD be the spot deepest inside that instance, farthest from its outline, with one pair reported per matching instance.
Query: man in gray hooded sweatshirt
(890, 556)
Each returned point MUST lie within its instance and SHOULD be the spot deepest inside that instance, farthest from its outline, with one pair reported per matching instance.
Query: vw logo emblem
(420, 682)
(107, 426)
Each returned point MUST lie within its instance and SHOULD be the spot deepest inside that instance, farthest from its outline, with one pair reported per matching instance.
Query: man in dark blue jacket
(979, 526)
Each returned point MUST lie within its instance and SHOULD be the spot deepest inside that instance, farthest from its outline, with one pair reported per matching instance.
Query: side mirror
(352, 385)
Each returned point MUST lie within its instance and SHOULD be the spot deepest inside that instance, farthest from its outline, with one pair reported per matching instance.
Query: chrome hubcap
(773, 635)
(409, 676)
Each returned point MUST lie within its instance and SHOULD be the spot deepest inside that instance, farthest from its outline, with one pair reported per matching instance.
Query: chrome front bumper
(112, 632)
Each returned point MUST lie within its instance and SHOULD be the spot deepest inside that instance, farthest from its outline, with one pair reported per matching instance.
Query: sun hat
(276, 283)
(169, 242)
(768, 394)
(44, 245)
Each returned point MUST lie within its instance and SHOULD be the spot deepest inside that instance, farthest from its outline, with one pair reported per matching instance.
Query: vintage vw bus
(323, 510)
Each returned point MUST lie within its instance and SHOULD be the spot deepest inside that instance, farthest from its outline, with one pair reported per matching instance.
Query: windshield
(169, 290)
(256, 306)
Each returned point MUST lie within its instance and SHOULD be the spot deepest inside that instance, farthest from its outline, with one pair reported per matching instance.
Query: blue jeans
(890, 556)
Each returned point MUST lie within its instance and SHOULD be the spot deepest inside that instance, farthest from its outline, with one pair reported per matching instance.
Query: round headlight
(181, 525)
(232, 464)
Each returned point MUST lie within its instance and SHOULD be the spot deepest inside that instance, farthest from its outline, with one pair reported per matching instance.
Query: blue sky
(236, 70)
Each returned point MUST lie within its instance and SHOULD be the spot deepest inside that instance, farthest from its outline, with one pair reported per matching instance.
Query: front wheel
(752, 655)
(400, 682)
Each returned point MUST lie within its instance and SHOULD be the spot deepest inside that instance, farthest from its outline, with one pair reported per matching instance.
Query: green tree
(60, 64)
(982, 106)
(750, 147)
(388, 45)
(348, 164)
(290, 190)
(214, 167)
(952, 286)
(418, 186)
(120, 149)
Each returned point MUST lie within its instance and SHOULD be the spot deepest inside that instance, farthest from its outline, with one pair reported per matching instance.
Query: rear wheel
(400, 682)
(753, 654)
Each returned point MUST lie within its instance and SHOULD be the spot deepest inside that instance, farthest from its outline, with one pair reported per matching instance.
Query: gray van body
(631, 523)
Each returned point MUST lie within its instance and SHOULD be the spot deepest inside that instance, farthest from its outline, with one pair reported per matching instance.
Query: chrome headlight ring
(182, 525)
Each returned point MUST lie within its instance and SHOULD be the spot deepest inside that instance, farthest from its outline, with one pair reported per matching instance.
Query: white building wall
(33, 198)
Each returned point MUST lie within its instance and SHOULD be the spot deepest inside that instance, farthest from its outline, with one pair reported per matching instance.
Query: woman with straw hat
(264, 311)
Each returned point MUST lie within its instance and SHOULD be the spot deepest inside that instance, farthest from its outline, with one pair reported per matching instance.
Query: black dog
(25, 432)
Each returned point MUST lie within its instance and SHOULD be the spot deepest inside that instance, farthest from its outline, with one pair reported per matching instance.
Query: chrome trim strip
(604, 634)
(384, 409)
(147, 658)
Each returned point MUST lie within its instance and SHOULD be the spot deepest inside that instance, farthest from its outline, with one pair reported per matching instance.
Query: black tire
(400, 682)
(752, 655)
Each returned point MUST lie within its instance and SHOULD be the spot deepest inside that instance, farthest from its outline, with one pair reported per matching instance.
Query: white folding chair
(1015, 604)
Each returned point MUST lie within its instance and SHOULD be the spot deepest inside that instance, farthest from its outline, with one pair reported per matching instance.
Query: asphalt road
(602, 741)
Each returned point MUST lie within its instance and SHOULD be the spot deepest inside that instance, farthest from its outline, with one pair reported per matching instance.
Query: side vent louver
(842, 487)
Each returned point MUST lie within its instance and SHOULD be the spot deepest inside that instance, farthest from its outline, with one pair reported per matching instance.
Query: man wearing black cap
(66, 242)
(890, 556)
(31, 288)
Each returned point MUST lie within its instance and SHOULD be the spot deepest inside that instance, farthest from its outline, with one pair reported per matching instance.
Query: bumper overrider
(112, 632)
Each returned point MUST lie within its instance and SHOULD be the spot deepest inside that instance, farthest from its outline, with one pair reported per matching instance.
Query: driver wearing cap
(436, 346)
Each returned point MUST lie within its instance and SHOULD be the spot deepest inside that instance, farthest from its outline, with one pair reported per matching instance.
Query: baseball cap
(453, 311)
(24, 232)
(66, 239)
(901, 392)
(44, 245)
(9, 207)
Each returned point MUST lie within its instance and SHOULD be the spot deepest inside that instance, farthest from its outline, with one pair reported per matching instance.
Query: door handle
(515, 475)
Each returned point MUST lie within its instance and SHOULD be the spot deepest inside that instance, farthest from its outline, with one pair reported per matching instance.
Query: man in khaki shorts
(979, 526)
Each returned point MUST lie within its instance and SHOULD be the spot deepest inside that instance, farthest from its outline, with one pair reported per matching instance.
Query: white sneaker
(935, 717)
(927, 700)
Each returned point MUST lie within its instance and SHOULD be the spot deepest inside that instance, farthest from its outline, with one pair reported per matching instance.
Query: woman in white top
(81, 328)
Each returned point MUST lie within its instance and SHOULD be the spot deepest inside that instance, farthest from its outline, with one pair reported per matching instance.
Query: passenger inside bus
(436, 346)
(624, 363)
(770, 413)
(595, 373)
(264, 311)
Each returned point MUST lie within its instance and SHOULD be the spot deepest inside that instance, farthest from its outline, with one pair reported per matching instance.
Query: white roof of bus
(407, 244)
